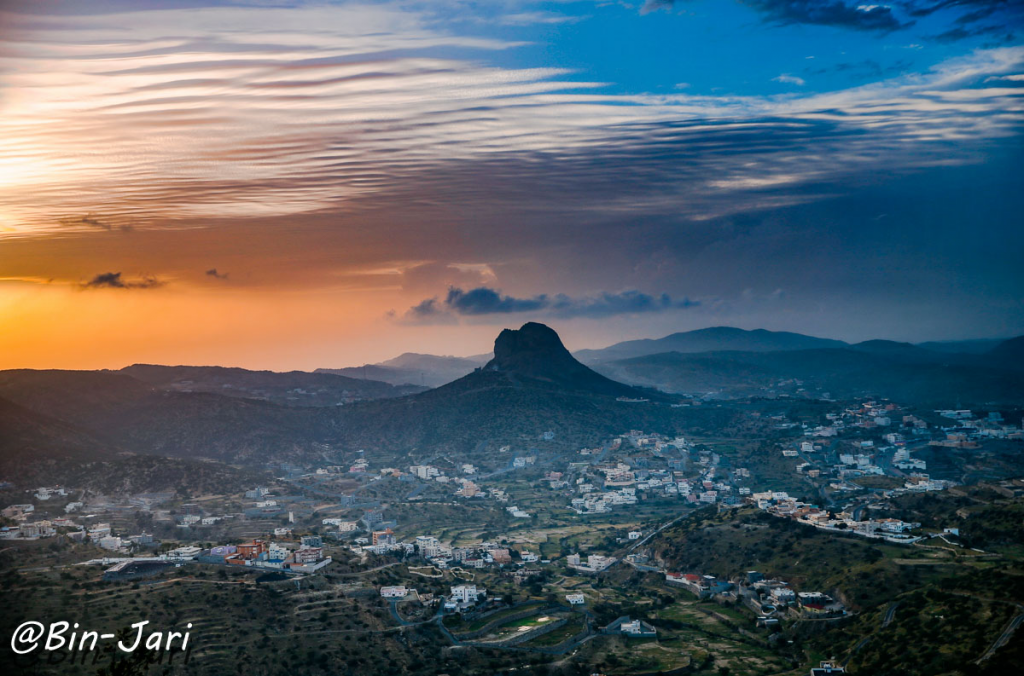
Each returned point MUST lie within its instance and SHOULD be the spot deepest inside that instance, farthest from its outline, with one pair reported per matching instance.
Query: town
(521, 569)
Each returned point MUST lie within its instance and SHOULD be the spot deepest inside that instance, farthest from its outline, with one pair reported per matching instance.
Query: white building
(110, 542)
(466, 594)
(393, 592)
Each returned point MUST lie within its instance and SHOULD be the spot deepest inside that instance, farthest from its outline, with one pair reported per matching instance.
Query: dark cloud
(212, 272)
(867, 68)
(964, 31)
(976, 17)
(975, 9)
(486, 301)
(830, 13)
(426, 308)
(609, 304)
(113, 280)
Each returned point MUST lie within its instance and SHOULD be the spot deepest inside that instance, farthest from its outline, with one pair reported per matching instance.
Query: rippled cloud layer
(190, 117)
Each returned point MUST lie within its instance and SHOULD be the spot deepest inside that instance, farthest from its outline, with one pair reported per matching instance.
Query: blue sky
(433, 170)
(722, 46)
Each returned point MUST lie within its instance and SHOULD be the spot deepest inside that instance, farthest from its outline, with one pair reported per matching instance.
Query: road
(889, 614)
(660, 528)
(1003, 639)
(886, 619)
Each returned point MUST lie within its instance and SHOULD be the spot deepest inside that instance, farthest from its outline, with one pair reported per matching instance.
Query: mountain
(1009, 353)
(424, 370)
(125, 413)
(979, 346)
(535, 353)
(294, 388)
(885, 370)
(29, 436)
(37, 450)
(714, 339)
(532, 385)
(904, 351)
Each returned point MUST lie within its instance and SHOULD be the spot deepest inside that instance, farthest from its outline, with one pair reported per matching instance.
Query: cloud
(347, 110)
(484, 301)
(655, 5)
(433, 275)
(866, 68)
(609, 304)
(113, 280)
(973, 18)
(212, 272)
(836, 13)
(94, 221)
(786, 78)
(487, 301)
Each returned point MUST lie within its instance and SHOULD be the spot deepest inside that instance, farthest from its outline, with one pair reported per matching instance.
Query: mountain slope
(413, 368)
(123, 412)
(28, 436)
(898, 374)
(293, 388)
(714, 339)
(533, 385)
(1009, 354)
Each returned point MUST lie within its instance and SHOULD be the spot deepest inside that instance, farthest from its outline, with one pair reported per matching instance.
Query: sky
(293, 185)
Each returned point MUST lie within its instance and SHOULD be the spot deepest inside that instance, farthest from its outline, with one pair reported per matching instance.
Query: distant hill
(293, 388)
(714, 339)
(38, 450)
(979, 346)
(425, 370)
(531, 386)
(137, 417)
(897, 371)
(28, 437)
(1009, 353)
(904, 351)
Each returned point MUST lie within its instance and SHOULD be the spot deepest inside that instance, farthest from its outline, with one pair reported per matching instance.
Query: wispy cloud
(337, 109)
(785, 78)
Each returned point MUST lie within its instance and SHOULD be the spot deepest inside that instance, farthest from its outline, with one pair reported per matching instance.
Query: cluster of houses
(307, 558)
(768, 598)
(594, 563)
(478, 556)
(781, 504)
(98, 534)
(967, 428)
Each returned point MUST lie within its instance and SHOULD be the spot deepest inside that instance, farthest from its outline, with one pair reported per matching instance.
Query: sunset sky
(298, 185)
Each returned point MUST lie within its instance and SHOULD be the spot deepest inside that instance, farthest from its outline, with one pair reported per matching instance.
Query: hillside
(37, 450)
(713, 339)
(533, 385)
(122, 412)
(293, 388)
(29, 437)
(418, 369)
(899, 373)
(1009, 353)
